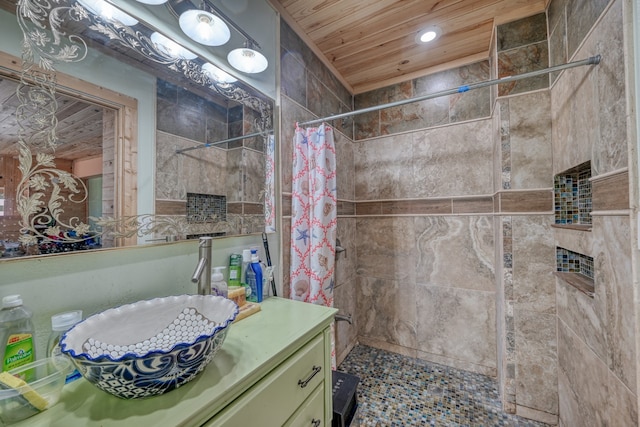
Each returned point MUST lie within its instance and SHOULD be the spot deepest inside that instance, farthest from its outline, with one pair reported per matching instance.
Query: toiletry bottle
(17, 340)
(254, 277)
(256, 266)
(218, 285)
(246, 261)
(61, 323)
(235, 270)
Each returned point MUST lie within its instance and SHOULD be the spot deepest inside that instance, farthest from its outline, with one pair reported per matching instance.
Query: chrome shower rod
(224, 141)
(592, 60)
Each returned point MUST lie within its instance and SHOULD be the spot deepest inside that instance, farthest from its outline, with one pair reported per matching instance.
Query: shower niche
(575, 269)
(573, 197)
(573, 206)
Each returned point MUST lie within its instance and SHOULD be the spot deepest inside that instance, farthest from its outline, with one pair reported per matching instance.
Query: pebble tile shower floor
(396, 390)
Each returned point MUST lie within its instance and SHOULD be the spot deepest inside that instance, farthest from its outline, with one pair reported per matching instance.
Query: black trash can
(345, 400)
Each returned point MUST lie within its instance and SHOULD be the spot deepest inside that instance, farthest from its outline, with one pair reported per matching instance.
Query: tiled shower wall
(525, 257)
(453, 214)
(597, 373)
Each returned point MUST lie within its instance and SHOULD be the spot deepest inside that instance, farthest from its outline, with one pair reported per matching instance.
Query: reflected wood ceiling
(371, 44)
(79, 128)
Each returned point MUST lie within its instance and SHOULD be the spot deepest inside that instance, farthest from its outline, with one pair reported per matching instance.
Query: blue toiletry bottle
(254, 277)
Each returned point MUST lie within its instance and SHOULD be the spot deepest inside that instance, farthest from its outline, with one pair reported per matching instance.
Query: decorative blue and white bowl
(149, 347)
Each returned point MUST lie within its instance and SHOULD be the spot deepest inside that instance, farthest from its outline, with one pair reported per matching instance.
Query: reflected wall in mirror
(202, 186)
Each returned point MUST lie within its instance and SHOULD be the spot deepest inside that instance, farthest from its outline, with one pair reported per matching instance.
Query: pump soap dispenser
(218, 285)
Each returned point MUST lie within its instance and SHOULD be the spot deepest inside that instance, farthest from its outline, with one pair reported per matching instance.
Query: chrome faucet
(202, 274)
(344, 318)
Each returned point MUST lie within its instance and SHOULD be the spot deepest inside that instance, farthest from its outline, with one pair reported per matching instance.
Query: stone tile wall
(525, 282)
(428, 113)
(597, 372)
(522, 47)
(425, 244)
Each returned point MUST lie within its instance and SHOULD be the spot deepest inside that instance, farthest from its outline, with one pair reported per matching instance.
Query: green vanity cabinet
(274, 369)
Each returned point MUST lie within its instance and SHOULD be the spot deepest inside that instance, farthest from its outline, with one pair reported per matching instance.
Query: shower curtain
(314, 218)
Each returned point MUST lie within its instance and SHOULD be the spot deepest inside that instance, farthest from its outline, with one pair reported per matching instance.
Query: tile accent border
(171, 207)
(610, 192)
(245, 208)
(511, 202)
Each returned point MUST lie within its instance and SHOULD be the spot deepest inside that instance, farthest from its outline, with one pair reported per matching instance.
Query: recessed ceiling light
(428, 34)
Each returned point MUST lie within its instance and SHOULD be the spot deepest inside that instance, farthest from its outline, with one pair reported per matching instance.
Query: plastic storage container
(44, 381)
(61, 323)
(17, 340)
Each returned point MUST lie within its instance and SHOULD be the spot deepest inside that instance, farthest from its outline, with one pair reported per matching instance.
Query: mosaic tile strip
(509, 321)
(573, 195)
(396, 390)
(573, 262)
(206, 207)
(505, 141)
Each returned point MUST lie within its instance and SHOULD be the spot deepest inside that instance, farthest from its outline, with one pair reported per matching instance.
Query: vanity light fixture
(247, 59)
(171, 48)
(428, 34)
(108, 12)
(204, 27)
(217, 74)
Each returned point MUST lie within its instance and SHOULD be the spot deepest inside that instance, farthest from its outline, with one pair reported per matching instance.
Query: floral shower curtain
(314, 218)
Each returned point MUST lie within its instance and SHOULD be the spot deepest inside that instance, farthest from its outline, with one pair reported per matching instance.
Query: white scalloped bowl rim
(153, 314)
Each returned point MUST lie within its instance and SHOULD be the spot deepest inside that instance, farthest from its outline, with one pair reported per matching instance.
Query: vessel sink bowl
(149, 347)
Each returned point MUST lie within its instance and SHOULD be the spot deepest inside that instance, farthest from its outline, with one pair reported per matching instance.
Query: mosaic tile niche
(575, 269)
(206, 207)
(573, 262)
(572, 195)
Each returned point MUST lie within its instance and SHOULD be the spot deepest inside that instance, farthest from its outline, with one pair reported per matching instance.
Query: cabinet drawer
(311, 413)
(275, 397)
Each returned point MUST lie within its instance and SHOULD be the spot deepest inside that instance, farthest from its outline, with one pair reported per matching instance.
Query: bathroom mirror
(162, 149)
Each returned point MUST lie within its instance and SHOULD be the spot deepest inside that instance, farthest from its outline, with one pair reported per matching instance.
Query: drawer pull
(304, 383)
(315, 423)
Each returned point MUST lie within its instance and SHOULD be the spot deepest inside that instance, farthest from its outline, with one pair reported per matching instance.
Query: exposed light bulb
(153, 2)
(204, 27)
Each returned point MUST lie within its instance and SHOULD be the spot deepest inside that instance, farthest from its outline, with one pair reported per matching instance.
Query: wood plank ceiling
(371, 44)
(79, 129)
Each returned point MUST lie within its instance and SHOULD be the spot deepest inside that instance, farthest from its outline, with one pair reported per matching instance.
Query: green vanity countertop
(252, 348)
